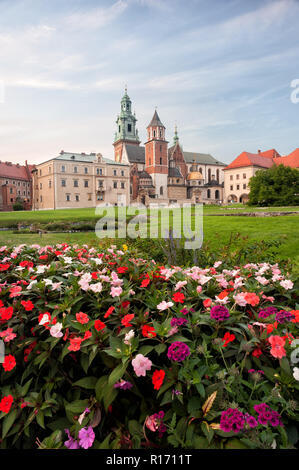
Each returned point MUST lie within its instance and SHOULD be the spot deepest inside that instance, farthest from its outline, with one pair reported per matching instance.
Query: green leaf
(87, 382)
(235, 444)
(100, 386)
(105, 443)
(77, 406)
(8, 422)
(40, 419)
(117, 373)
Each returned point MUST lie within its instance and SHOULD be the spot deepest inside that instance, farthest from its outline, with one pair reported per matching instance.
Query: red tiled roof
(250, 159)
(291, 160)
(11, 170)
(270, 153)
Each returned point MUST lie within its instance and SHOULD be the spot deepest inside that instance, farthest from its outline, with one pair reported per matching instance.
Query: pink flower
(55, 330)
(287, 284)
(164, 305)
(198, 289)
(115, 291)
(180, 284)
(15, 291)
(151, 423)
(240, 299)
(141, 364)
(277, 344)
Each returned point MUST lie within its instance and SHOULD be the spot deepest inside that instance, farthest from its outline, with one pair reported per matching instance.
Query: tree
(277, 186)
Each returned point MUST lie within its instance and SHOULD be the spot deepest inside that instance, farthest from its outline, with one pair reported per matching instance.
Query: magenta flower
(86, 437)
(71, 443)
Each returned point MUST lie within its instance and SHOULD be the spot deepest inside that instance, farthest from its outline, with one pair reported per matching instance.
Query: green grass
(217, 231)
(8, 219)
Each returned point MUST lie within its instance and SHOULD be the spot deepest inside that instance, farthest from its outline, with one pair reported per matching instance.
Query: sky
(219, 69)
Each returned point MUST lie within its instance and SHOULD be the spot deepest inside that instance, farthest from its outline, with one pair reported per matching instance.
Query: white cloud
(96, 18)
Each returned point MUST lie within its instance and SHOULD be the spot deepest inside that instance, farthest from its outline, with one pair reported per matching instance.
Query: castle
(163, 174)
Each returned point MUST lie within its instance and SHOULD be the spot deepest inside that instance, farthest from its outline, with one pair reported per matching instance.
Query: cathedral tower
(126, 132)
(156, 158)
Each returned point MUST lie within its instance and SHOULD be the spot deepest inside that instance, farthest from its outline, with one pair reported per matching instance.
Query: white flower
(96, 287)
(164, 305)
(129, 336)
(296, 373)
(44, 319)
(55, 330)
(287, 284)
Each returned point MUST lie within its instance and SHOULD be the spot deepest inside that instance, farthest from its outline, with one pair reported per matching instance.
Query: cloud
(95, 18)
(40, 83)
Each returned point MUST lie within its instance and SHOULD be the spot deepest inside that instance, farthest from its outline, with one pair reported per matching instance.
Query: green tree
(277, 186)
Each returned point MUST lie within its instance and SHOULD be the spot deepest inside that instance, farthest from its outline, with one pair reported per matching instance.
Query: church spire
(126, 121)
(176, 137)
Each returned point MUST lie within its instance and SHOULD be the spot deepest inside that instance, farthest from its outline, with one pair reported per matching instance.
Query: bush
(18, 206)
(106, 350)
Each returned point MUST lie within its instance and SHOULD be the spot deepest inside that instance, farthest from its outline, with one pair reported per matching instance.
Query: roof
(79, 157)
(174, 172)
(155, 121)
(136, 154)
(202, 158)
(11, 170)
(144, 174)
(269, 153)
(291, 160)
(113, 162)
(250, 159)
(214, 183)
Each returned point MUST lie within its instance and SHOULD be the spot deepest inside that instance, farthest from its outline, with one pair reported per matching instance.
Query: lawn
(217, 231)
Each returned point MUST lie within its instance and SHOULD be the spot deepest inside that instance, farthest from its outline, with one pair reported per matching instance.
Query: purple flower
(232, 420)
(86, 437)
(267, 311)
(178, 351)
(251, 421)
(178, 321)
(71, 443)
(123, 385)
(219, 313)
(283, 316)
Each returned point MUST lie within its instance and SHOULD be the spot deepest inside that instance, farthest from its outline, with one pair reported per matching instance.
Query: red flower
(28, 305)
(9, 362)
(257, 352)
(148, 331)
(82, 318)
(178, 297)
(227, 338)
(158, 378)
(109, 311)
(207, 303)
(40, 317)
(26, 264)
(126, 320)
(222, 294)
(5, 403)
(252, 299)
(87, 335)
(122, 269)
(75, 344)
(145, 283)
(94, 275)
(6, 313)
(99, 325)
(125, 304)
(4, 267)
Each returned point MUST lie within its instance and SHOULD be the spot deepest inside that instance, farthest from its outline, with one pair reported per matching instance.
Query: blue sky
(221, 69)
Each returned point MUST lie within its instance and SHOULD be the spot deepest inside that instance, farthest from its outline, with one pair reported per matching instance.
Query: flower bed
(106, 351)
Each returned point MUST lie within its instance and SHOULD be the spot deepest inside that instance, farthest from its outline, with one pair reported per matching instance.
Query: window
(129, 127)
(63, 169)
(86, 170)
(244, 176)
(244, 186)
(238, 176)
(231, 188)
(99, 171)
(161, 190)
(76, 183)
(41, 198)
(19, 183)
(238, 186)
(122, 185)
(216, 194)
(10, 190)
(209, 194)
(68, 197)
(231, 177)
(77, 197)
(63, 184)
(114, 172)
(89, 196)
(177, 180)
(122, 173)
(217, 175)
(85, 183)
(24, 192)
(11, 199)
(40, 172)
(49, 169)
(100, 183)
(160, 147)
(19, 192)
(114, 184)
(160, 161)
(160, 135)
(50, 183)
(40, 185)
(209, 175)
(100, 197)
(75, 169)
(154, 133)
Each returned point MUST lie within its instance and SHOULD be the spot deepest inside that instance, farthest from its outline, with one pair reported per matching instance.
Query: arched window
(161, 190)
(209, 193)
(217, 175)
(154, 133)
(209, 174)
(200, 170)
(217, 193)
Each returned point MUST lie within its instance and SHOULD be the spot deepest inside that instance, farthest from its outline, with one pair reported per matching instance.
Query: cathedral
(163, 174)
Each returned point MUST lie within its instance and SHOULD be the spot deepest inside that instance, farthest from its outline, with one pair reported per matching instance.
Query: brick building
(161, 173)
(15, 185)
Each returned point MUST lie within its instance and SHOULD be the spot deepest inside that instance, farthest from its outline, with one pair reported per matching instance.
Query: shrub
(18, 206)
(106, 350)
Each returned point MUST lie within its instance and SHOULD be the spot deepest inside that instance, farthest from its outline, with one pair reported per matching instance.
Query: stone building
(79, 180)
(15, 185)
(161, 173)
(238, 173)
